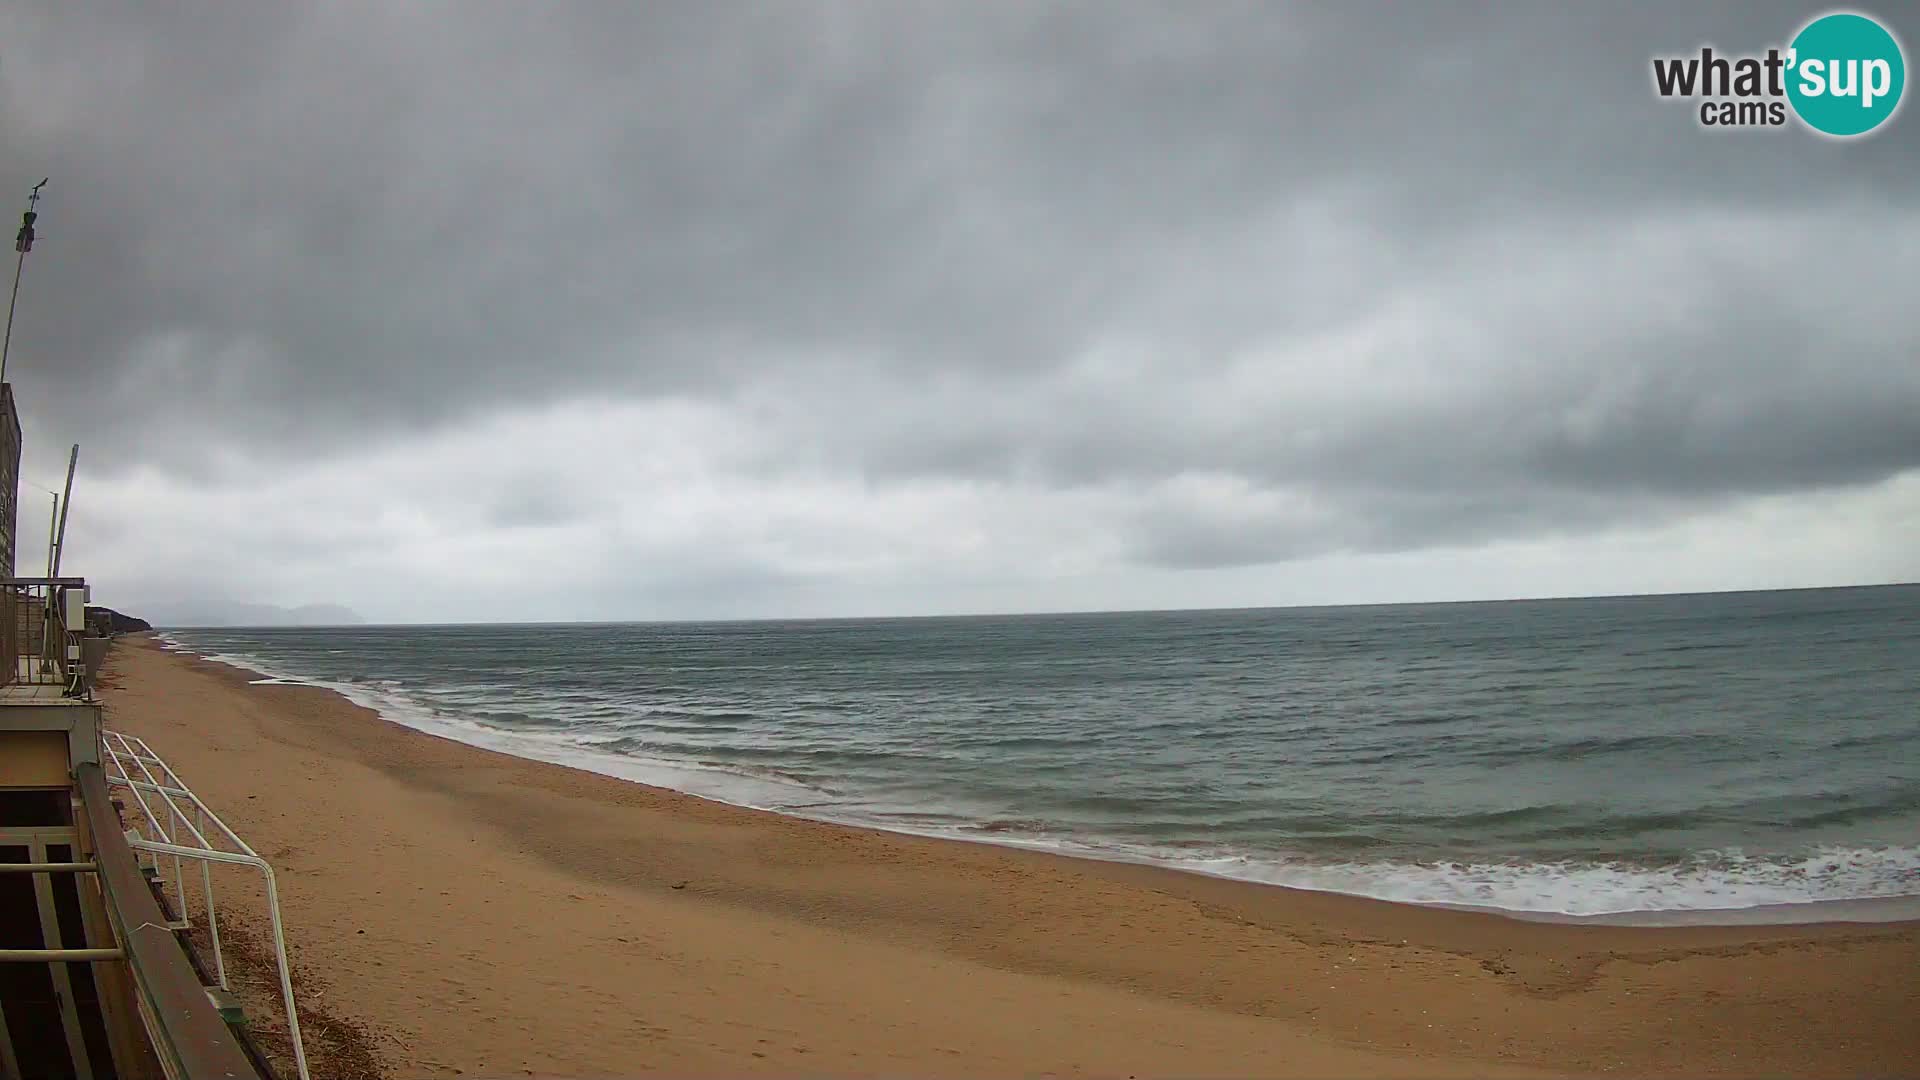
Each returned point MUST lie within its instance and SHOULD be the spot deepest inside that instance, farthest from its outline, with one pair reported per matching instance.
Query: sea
(1730, 757)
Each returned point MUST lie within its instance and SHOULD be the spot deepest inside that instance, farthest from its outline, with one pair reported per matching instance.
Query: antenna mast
(22, 243)
(66, 504)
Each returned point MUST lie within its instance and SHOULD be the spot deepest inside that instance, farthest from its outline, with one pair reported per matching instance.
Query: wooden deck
(37, 694)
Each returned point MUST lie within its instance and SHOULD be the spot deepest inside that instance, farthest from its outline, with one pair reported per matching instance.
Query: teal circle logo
(1845, 74)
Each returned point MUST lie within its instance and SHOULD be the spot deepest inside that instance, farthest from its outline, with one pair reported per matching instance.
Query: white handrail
(179, 787)
(206, 874)
(177, 818)
(167, 793)
(120, 749)
(41, 956)
(109, 739)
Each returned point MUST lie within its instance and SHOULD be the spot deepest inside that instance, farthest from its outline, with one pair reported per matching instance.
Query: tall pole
(22, 243)
(6, 346)
(46, 602)
(66, 504)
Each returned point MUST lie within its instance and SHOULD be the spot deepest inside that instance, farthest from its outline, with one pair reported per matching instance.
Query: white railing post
(213, 917)
(286, 976)
(179, 878)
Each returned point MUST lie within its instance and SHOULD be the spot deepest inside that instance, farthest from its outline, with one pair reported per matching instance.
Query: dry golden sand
(478, 914)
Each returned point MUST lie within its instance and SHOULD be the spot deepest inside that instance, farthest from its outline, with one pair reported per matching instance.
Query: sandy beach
(454, 911)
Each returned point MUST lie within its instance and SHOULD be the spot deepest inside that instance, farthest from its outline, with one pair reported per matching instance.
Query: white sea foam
(1834, 883)
(1711, 882)
(1857, 884)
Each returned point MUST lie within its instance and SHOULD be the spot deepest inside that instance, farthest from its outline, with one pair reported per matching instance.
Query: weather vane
(22, 243)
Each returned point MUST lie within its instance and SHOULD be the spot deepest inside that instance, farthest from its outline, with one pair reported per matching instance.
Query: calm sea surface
(1654, 754)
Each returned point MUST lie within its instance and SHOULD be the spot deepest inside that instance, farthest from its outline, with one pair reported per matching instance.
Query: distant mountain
(261, 615)
(107, 622)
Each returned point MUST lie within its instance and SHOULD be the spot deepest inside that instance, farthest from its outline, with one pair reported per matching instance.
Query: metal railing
(42, 624)
(183, 824)
(185, 1030)
(54, 953)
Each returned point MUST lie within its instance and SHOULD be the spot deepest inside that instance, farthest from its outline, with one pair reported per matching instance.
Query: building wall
(9, 479)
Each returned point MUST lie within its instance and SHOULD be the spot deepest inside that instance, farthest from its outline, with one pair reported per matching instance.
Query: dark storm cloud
(1404, 274)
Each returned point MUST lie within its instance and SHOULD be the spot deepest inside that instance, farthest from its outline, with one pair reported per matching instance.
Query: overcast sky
(596, 311)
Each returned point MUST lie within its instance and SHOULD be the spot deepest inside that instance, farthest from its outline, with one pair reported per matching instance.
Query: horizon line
(1564, 597)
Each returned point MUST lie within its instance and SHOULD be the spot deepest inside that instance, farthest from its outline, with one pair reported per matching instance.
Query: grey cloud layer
(1358, 277)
